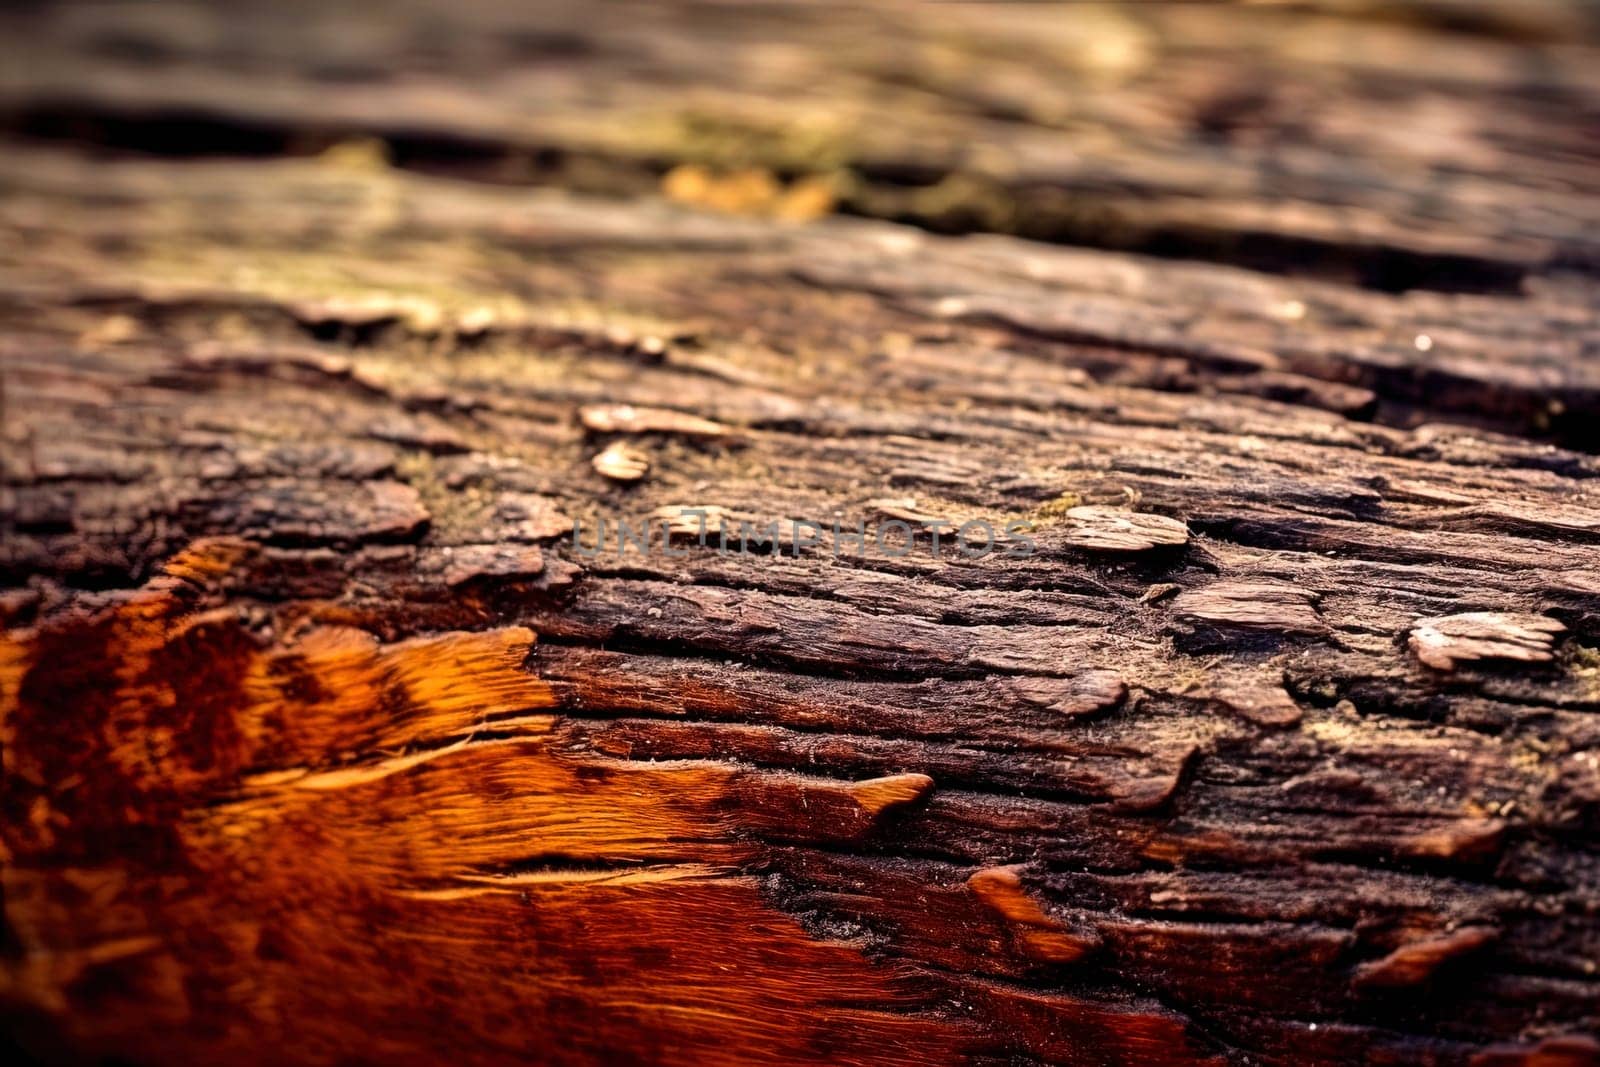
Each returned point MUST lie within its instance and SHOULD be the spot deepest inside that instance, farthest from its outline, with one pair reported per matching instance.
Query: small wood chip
(1159, 591)
(625, 418)
(1035, 932)
(1081, 694)
(688, 520)
(1253, 605)
(1102, 529)
(877, 795)
(1462, 840)
(459, 564)
(905, 508)
(622, 463)
(1448, 640)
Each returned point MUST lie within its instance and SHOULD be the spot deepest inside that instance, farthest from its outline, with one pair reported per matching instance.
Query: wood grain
(329, 737)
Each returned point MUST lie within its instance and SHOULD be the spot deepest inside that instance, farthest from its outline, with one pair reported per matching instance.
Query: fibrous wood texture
(329, 736)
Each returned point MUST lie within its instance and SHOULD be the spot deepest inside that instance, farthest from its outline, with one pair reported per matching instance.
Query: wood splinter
(628, 419)
(1102, 529)
(1447, 641)
(621, 463)
(1035, 932)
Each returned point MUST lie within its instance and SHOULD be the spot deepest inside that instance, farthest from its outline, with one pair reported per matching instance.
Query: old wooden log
(1264, 731)
(1378, 147)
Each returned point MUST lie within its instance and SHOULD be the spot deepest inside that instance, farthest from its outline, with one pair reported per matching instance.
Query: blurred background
(1446, 144)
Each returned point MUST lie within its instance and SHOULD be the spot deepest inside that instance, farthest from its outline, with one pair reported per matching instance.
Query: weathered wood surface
(1378, 146)
(324, 742)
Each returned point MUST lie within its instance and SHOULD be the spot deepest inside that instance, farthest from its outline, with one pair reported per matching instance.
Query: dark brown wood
(328, 736)
(1369, 141)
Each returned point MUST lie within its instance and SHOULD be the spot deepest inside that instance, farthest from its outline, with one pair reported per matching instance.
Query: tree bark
(1268, 734)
